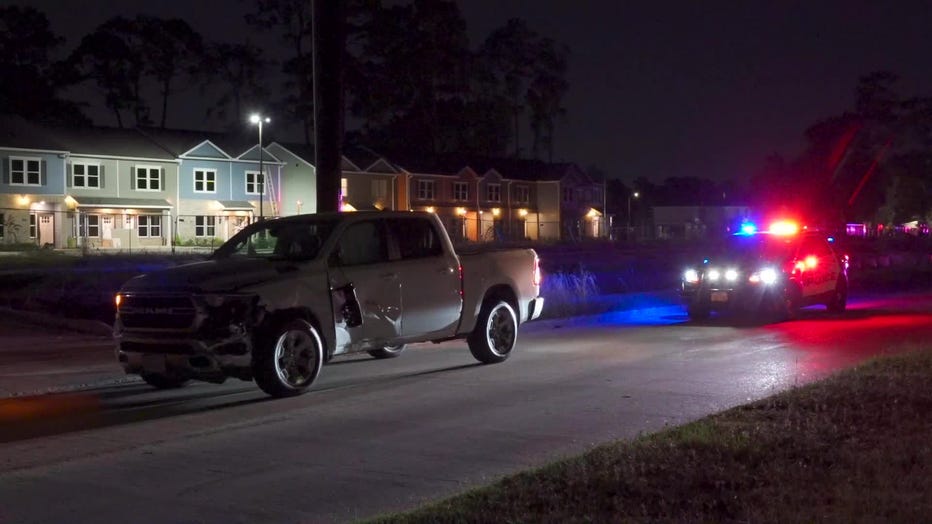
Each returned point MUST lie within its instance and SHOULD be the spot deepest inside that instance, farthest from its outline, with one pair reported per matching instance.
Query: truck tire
(839, 300)
(160, 381)
(495, 334)
(288, 361)
(388, 351)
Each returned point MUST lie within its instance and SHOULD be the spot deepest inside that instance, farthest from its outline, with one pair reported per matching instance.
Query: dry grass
(568, 293)
(856, 447)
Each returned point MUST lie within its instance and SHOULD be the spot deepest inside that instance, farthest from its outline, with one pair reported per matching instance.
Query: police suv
(773, 272)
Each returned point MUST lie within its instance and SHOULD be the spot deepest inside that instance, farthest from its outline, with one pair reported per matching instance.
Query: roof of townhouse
(107, 141)
(509, 168)
(180, 141)
(19, 133)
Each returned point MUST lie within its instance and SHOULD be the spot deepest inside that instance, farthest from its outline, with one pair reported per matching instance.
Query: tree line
(412, 81)
(872, 163)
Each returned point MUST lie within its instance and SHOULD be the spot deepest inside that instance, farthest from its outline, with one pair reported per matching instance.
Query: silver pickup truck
(284, 296)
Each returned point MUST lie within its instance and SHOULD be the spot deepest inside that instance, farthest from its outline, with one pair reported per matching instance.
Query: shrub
(568, 293)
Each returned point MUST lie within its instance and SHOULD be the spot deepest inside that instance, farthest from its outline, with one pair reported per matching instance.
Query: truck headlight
(731, 275)
(713, 275)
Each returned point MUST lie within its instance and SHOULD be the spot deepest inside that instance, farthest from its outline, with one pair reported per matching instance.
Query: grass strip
(855, 447)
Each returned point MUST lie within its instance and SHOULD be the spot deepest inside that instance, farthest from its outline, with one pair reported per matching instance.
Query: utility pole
(329, 42)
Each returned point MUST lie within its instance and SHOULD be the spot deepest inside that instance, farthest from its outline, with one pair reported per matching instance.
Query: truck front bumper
(185, 358)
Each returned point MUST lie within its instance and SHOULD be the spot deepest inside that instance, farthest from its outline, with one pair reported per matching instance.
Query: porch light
(461, 211)
(522, 212)
(496, 211)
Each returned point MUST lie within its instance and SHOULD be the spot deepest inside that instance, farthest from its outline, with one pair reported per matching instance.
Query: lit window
(25, 171)
(85, 175)
(205, 181)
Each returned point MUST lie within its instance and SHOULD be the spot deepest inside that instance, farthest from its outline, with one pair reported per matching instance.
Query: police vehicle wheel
(388, 351)
(790, 303)
(287, 362)
(495, 334)
(697, 312)
(839, 300)
(160, 381)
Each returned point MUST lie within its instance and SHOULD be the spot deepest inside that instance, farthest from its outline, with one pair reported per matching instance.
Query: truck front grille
(157, 312)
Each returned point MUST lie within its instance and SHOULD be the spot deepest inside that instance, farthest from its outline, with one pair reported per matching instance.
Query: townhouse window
(567, 194)
(460, 191)
(205, 181)
(32, 225)
(425, 189)
(254, 181)
(380, 190)
(344, 189)
(25, 171)
(148, 178)
(149, 226)
(205, 226)
(85, 175)
(2, 224)
(90, 225)
(493, 192)
(522, 194)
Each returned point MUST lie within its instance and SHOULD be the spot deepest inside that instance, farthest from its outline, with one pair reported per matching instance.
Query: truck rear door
(430, 277)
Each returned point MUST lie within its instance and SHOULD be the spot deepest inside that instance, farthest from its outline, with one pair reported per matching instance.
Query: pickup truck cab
(284, 296)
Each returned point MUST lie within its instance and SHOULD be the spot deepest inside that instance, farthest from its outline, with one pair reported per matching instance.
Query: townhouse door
(46, 229)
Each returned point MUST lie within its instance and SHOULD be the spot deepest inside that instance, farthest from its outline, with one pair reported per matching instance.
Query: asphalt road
(376, 436)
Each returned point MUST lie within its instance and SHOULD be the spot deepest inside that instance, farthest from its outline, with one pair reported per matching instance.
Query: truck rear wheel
(388, 351)
(288, 361)
(495, 334)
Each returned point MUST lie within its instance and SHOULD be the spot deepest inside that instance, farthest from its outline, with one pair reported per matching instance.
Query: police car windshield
(760, 246)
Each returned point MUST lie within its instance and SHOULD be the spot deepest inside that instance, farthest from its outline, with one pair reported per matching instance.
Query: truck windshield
(279, 240)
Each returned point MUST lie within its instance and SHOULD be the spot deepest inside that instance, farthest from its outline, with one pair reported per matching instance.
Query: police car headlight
(731, 275)
(713, 275)
(768, 275)
(691, 276)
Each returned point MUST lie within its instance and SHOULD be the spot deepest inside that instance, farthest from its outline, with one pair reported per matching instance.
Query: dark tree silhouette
(32, 78)
(171, 48)
(292, 20)
(112, 56)
(238, 70)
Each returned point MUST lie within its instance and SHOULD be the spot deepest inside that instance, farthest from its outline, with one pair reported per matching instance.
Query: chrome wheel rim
(296, 358)
(501, 331)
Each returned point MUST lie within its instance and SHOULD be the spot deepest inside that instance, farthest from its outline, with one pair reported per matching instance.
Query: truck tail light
(537, 278)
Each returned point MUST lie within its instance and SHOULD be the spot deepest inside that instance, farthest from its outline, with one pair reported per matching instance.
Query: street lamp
(259, 120)
(628, 229)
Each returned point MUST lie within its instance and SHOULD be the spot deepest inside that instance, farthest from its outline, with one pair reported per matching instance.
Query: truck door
(361, 260)
(430, 279)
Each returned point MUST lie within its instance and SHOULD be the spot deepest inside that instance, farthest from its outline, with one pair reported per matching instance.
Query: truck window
(416, 238)
(361, 243)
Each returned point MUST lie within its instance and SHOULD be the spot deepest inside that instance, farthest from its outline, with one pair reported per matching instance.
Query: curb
(91, 327)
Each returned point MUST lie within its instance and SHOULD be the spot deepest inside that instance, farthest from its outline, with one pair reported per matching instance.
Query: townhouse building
(108, 188)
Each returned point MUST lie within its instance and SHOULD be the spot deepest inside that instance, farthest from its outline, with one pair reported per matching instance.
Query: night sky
(657, 89)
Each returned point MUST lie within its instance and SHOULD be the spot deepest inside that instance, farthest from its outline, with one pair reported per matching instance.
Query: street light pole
(628, 229)
(258, 120)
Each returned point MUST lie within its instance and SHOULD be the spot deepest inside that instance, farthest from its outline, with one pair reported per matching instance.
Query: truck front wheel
(388, 351)
(495, 334)
(288, 361)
